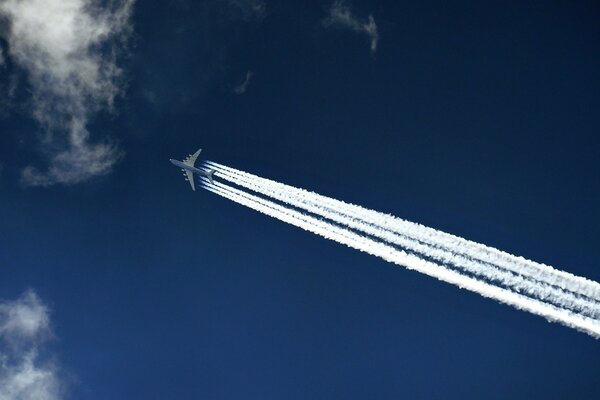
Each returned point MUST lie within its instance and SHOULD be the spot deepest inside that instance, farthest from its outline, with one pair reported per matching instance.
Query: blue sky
(479, 119)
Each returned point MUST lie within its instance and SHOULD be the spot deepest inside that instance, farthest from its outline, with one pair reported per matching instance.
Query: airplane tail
(209, 175)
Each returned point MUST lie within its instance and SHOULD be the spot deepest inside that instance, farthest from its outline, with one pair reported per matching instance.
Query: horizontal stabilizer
(209, 175)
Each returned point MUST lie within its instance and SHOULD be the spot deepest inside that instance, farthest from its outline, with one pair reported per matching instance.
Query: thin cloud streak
(340, 16)
(542, 290)
(401, 258)
(517, 279)
(68, 49)
(249, 10)
(433, 238)
(242, 87)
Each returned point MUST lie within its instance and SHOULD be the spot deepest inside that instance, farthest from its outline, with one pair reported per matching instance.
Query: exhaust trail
(540, 272)
(480, 270)
(370, 246)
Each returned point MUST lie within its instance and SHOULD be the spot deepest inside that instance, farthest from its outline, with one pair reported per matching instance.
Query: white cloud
(24, 318)
(68, 49)
(24, 327)
(341, 16)
(242, 87)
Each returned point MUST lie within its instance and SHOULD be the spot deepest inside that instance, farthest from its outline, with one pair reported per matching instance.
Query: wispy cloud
(242, 87)
(24, 328)
(68, 49)
(341, 16)
(249, 9)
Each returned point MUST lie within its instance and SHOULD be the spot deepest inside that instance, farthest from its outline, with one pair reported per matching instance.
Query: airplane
(187, 166)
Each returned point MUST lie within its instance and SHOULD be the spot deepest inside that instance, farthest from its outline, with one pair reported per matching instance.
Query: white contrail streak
(399, 257)
(519, 265)
(490, 272)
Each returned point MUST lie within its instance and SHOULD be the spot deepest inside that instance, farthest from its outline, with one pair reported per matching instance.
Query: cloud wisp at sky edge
(24, 329)
(68, 49)
(341, 16)
(248, 10)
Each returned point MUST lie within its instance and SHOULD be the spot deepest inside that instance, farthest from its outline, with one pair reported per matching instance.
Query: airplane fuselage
(193, 170)
(188, 168)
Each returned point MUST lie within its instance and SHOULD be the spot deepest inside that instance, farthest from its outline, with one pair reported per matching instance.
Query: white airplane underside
(188, 169)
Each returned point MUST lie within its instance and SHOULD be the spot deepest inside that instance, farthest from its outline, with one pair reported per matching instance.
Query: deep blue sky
(478, 118)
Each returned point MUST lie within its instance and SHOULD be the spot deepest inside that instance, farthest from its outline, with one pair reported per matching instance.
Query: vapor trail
(489, 272)
(540, 272)
(400, 257)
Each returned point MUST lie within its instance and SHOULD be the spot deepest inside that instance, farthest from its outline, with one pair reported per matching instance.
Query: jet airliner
(187, 166)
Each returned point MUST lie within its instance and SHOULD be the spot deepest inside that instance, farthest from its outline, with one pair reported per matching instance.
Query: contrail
(433, 237)
(352, 239)
(487, 271)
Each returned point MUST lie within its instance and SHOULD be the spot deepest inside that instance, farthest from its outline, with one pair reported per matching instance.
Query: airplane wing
(191, 159)
(190, 178)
